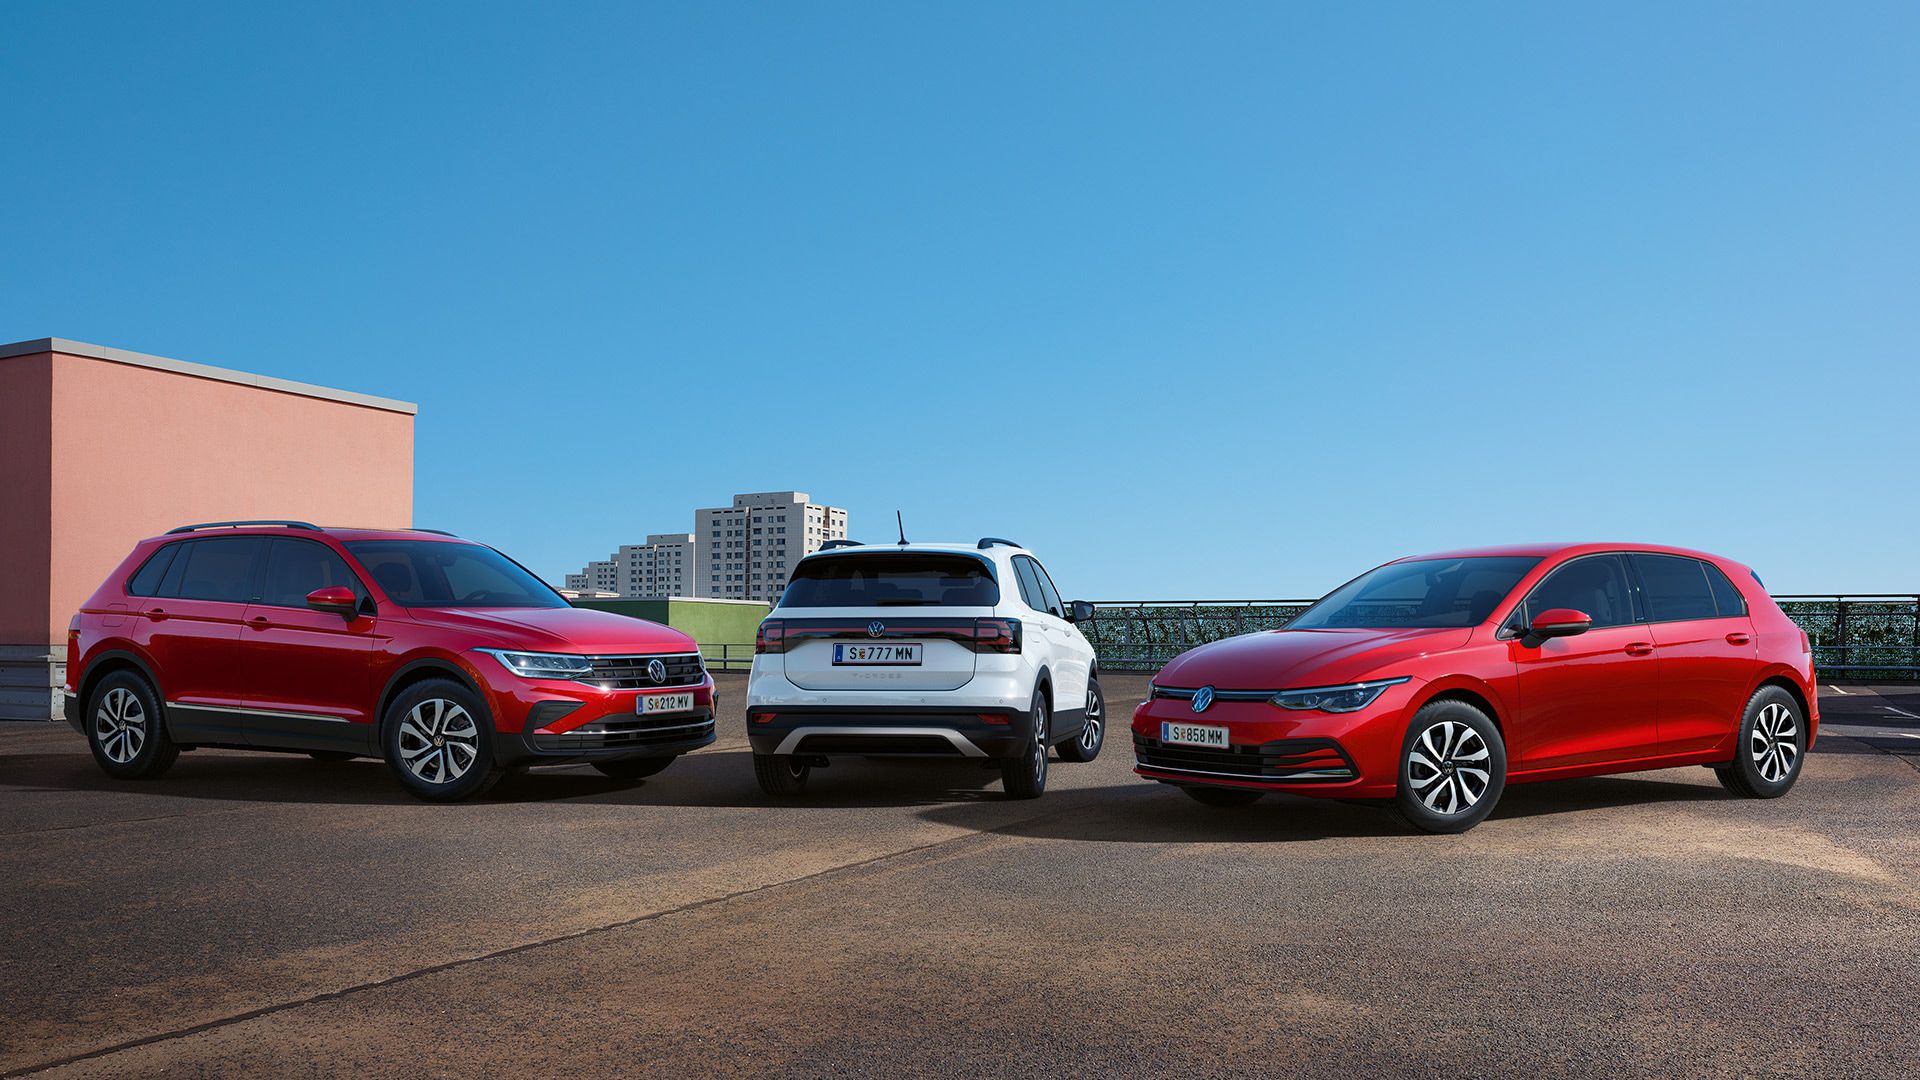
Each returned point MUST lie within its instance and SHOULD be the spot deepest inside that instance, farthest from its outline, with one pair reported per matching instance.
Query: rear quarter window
(146, 580)
(895, 579)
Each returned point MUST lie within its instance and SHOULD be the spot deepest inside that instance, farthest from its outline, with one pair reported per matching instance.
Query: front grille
(1293, 761)
(630, 672)
(630, 732)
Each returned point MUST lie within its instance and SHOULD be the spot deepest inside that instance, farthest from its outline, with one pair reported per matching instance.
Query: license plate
(658, 703)
(1193, 734)
(878, 654)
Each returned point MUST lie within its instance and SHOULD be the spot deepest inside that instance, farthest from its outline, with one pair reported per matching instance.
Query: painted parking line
(1901, 712)
(1839, 691)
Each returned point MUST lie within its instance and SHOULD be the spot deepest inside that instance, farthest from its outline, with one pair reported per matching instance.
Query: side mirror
(335, 600)
(1559, 622)
(1079, 611)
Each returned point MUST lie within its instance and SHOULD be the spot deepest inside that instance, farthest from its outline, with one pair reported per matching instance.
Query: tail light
(771, 638)
(996, 635)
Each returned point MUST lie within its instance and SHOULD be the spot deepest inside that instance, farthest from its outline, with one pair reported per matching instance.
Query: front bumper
(557, 721)
(1337, 755)
(887, 731)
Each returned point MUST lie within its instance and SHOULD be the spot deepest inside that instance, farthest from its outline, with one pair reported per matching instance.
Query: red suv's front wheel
(438, 737)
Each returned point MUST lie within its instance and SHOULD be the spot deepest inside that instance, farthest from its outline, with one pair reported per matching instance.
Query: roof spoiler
(308, 526)
(831, 544)
(989, 541)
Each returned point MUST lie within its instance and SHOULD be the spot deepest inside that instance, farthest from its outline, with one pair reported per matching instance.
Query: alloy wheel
(1447, 767)
(1090, 735)
(120, 725)
(439, 741)
(1041, 722)
(1775, 743)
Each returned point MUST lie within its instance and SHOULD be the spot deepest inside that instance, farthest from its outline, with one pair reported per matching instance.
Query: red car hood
(561, 630)
(1284, 659)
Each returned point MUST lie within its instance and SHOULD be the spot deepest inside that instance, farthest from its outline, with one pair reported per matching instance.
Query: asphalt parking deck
(273, 915)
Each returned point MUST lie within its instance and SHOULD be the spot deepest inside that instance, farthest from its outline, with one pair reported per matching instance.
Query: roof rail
(242, 525)
(989, 541)
(831, 544)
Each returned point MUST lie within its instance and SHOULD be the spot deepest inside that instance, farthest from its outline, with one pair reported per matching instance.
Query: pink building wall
(103, 448)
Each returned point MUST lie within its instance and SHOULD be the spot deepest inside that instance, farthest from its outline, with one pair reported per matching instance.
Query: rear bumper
(884, 731)
(70, 708)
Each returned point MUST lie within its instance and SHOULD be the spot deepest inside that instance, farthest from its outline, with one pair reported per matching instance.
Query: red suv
(1437, 680)
(446, 658)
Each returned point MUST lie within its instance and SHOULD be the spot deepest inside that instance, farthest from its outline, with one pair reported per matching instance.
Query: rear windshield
(892, 580)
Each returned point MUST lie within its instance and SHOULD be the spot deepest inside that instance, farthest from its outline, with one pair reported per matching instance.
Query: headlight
(542, 665)
(1351, 697)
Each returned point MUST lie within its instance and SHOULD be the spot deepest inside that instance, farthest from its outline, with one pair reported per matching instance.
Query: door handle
(156, 614)
(1639, 648)
(1738, 638)
(259, 622)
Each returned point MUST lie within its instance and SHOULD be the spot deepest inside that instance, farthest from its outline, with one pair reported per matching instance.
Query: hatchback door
(1706, 650)
(897, 621)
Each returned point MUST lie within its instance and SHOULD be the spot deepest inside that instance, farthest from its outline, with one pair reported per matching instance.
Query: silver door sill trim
(960, 742)
(258, 712)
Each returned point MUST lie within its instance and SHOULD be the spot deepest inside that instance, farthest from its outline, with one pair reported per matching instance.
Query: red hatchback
(1437, 680)
(446, 658)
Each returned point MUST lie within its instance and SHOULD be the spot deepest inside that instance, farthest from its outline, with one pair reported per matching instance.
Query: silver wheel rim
(120, 725)
(1040, 726)
(1090, 735)
(1447, 768)
(439, 741)
(1775, 743)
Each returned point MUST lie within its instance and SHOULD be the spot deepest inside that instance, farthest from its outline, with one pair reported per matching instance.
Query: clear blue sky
(1198, 300)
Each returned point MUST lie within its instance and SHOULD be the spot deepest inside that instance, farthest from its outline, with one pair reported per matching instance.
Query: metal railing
(1855, 636)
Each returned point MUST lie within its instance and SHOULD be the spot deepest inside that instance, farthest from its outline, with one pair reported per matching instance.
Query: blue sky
(1197, 300)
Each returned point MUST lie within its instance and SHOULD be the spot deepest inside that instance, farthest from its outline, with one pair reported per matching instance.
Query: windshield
(1423, 594)
(896, 579)
(440, 573)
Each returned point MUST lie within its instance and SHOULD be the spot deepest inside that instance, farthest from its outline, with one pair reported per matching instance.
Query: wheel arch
(1786, 681)
(1461, 688)
(421, 670)
(109, 661)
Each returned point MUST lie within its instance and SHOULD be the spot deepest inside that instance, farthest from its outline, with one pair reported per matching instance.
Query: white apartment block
(738, 552)
(753, 544)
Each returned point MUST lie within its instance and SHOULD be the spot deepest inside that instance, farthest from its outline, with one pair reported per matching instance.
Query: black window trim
(260, 580)
(1510, 629)
(1640, 586)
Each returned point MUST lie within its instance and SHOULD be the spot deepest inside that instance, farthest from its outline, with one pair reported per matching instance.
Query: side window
(1047, 592)
(1676, 588)
(1725, 596)
(146, 580)
(1029, 583)
(297, 567)
(1596, 585)
(218, 569)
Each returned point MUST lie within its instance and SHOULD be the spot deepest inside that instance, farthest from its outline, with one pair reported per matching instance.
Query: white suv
(922, 650)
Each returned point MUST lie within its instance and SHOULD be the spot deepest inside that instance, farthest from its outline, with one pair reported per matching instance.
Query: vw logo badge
(876, 628)
(1202, 698)
(657, 671)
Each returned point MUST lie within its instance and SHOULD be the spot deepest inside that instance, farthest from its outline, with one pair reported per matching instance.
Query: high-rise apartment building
(738, 552)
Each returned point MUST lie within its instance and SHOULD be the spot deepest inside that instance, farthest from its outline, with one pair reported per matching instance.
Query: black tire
(1025, 776)
(331, 755)
(1772, 746)
(782, 775)
(444, 751)
(126, 730)
(1453, 768)
(633, 768)
(1086, 745)
(1224, 797)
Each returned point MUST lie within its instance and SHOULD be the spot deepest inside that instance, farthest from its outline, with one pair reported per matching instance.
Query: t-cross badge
(1435, 681)
(922, 650)
(444, 657)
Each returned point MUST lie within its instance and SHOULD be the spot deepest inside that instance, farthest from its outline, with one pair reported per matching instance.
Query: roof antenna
(902, 522)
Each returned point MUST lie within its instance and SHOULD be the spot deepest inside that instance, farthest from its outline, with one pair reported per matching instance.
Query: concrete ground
(262, 914)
